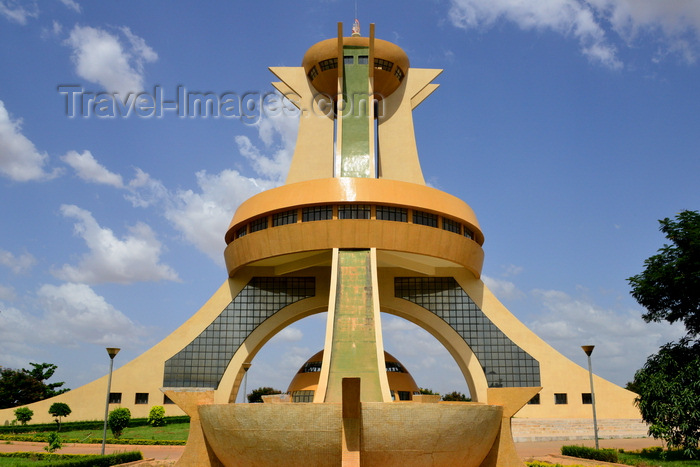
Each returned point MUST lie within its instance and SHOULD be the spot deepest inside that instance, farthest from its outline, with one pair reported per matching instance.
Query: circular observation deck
(323, 214)
(321, 64)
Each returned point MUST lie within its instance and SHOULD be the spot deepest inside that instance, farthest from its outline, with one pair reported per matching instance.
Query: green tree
(43, 371)
(256, 394)
(118, 420)
(59, 410)
(18, 388)
(156, 417)
(456, 396)
(24, 414)
(669, 390)
(669, 286)
(668, 386)
(427, 391)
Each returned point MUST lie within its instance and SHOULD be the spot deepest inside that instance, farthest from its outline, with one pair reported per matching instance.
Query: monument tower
(356, 232)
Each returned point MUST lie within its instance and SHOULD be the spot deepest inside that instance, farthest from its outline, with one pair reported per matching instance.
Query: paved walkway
(532, 450)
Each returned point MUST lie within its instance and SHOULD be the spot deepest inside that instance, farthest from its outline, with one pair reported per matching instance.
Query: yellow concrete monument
(355, 231)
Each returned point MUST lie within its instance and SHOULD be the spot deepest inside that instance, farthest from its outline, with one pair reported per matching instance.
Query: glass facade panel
(388, 213)
(354, 211)
(329, 64)
(283, 218)
(504, 363)
(317, 213)
(425, 218)
(258, 224)
(310, 367)
(450, 225)
(203, 361)
(303, 396)
(394, 367)
(385, 65)
(313, 73)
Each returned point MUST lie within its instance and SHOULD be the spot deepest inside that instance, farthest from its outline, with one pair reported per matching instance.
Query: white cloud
(18, 11)
(74, 312)
(290, 334)
(502, 289)
(19, 158)
(7, 293)
(567, 17)
(134, 258)
(19, 264)
(17, 333)
(90, 170)
(428, 361)
(102, 58)
(623, 340)
(278, 134)
(203, 215)
(677, 21)
(71, 4)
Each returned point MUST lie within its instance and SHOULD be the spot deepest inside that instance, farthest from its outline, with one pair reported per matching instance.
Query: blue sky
(569, 126)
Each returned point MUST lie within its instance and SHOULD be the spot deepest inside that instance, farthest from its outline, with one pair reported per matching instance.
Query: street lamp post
(589, 350)
(112, 351)
(246, 367)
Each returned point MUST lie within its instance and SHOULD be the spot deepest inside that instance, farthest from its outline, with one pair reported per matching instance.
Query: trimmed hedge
(85, 425)
(41, 438)
(605, 455)
(78, 460)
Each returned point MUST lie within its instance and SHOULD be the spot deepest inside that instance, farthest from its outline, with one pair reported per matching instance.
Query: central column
(356, 348)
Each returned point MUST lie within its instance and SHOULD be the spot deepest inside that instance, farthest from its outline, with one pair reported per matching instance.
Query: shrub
(118, 420)
(24, 414)
(156, 417)
(605, 455)
(54, 442)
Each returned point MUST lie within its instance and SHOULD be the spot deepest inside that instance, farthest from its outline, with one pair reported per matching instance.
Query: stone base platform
(545, 429)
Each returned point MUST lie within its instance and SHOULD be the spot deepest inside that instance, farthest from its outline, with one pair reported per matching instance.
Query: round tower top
(321, 64)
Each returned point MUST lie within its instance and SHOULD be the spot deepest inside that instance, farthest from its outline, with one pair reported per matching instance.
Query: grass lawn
(170, 432)
(14, 462)
(175, 431)
(652, 459)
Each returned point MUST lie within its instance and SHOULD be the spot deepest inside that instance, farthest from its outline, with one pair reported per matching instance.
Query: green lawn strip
(174, 434)
(20, 459)
(654, 457)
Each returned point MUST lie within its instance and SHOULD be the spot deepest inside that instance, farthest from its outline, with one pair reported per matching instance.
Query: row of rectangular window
(139, 398)
(332, 64)
(355, 211)
(561, 398)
